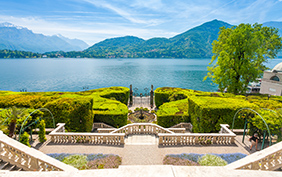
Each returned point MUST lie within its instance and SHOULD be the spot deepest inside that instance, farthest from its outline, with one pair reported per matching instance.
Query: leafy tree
(239, 55)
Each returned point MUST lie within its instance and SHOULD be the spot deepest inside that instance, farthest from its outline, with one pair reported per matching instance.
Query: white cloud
(124, 13)
(90, 33)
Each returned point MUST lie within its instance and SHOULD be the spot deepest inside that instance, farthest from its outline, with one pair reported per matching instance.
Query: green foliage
(211, 160)
(77, 161)
(172, 113)
(75, 112)
(144, 109)
(207, 113)
(115, 120)
(18, 54)
(239, 54)
(42, 132)
(25, 139)
(76, 109)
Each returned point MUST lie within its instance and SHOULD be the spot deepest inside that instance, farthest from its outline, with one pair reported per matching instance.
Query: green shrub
(172, 113)
(207, 113)
(211, 160)
(75, 112)
(42, 132)
(25, 139)
(77, 161)
(74, 108)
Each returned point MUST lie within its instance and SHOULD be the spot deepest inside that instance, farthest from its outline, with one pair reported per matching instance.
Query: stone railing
(142, 128)
(187, 126)
(226, 137)
(105, 130)
(58, 136)
(27, 158)
(267, 159)
(177, 130)
(101, 125)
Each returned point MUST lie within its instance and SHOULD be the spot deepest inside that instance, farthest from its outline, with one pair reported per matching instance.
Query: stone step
(7, 166)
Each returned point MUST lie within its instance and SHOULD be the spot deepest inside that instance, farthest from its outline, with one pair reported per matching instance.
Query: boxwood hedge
(77, 109)
(206, 110)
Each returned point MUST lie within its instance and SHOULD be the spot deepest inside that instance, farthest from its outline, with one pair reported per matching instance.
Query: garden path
(144, 150)
(138, 102)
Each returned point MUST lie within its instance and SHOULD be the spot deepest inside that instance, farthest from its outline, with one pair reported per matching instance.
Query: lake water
(73, 74)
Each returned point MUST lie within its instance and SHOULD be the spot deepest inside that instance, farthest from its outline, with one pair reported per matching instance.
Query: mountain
(19, 38)
(194, 43)
(75, 42)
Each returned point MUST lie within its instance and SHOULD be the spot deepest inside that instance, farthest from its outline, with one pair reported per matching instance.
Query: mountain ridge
(14, 37)
(193, 43)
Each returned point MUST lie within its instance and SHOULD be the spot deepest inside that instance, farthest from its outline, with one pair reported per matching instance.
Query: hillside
(194, 43)
(18, 38)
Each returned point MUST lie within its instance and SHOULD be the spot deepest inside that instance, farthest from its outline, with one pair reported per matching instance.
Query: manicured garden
(88, 161)
(207, 110)
(77, 109)
(193, 159)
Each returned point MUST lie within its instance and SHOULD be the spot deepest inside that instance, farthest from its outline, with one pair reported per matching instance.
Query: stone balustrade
(105, 130)
(177, 130)
(267, 159)
(142, 128)
(101, 125)
(167, 136)
(187, 126)
(58, 136)
(27, 158)
(88, 138)
(226, 137)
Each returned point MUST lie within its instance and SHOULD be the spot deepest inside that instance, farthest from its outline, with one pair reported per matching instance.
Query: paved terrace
(144, 149)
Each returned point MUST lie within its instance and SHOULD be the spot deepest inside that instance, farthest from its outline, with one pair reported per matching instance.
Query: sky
(96, 20)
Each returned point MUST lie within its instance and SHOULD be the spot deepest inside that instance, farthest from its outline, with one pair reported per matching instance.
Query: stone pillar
(152, 97)
(130, 96)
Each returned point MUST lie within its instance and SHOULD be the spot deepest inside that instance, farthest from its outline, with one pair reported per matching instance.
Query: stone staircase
(10, 167)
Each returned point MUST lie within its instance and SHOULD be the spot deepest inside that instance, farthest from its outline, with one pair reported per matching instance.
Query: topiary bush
(172, 113)
(207, 113)
(76, 109)
(25, 139)
(42, 132)
(211, 160)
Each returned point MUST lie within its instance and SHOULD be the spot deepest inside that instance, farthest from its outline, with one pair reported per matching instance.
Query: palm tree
(14, 114)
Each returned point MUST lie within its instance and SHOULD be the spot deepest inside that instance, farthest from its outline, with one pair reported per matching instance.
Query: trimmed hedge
(172, 113)
(76, 109)
(205, 110)
(207, 113)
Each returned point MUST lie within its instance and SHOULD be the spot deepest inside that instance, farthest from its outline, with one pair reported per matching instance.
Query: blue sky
(96, 20)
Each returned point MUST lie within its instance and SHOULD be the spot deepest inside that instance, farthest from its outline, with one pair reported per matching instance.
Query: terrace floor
(144, 149)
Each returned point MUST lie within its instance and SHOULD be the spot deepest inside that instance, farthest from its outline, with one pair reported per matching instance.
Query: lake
(37, 75)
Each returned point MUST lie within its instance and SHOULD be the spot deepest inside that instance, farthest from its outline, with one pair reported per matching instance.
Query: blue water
(74, 74)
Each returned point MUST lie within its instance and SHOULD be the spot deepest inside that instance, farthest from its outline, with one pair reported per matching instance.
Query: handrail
(224, 137)
(143, 128)
(267, 159)
(27, 158)
(59, 136)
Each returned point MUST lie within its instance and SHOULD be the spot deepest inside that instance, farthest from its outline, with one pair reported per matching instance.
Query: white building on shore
(271, 82)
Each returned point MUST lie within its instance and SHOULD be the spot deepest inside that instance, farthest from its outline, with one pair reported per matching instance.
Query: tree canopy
(239, 55)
